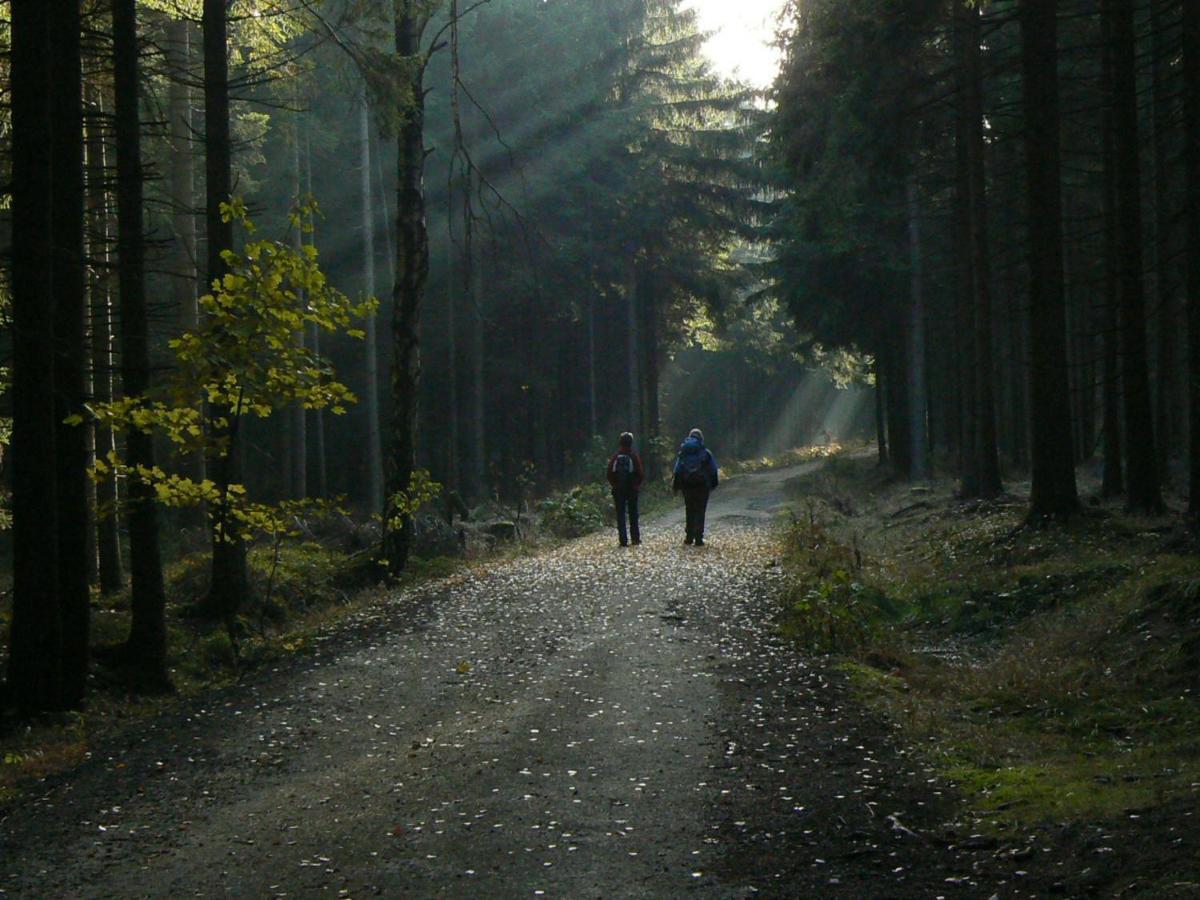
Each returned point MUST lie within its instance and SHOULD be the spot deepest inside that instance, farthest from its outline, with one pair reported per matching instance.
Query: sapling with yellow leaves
(242, 359)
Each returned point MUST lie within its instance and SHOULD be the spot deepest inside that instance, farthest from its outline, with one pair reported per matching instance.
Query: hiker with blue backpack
(696, 476)
(625, 474)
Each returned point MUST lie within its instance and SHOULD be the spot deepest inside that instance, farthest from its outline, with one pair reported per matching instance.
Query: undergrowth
(1052, 675)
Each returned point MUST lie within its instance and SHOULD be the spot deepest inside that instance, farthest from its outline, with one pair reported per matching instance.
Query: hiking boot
(636, 541)
(688, 539)
(699, 542)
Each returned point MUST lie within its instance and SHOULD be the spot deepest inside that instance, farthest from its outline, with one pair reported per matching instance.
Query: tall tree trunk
(374, 443)
(964, 307)
(1113, 477)
(71, 455)
(314, 344)
(412, 269)
(108, 537)
(633, 412)
(1053, 493)
(1167, 393)
(147, 643)
(593, 422)
(987, 465)
(478, 385)
(184, 263)
(1191, 100)
(896, 379)
(648, 365)
(35, 637)
(918, 404)
(881, 436)
(297, 431)
(649, 439)
(230, 586)
(1143, 492)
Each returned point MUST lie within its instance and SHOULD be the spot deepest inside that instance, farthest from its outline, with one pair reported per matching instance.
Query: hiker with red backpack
(696, 476)
(625, 474)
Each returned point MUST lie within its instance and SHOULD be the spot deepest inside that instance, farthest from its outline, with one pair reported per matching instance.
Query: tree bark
(918, 406)
(412, 269)
(478, 385)
(881, 436)
(374, 440)
(984, 444)
(1167, 395)
(147, 643)
(1053, 493)
(964, 312)
(1143, 493)
(653, 425)
(108, 537)
(633, 412)
(184, 263)
(315, 448)
(1113, 478)
(453, 286)
(896, 395)
(1191, 101)
(229, 589)
(35, 638)
(297, 431)
(593, 423)
(69, 279)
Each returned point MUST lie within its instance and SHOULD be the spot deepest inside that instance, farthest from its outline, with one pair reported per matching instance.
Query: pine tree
(146, 648)
(1053, 494)
(35, 650)
(69, 279)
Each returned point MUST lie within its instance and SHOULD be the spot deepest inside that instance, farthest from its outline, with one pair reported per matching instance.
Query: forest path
(589, 722)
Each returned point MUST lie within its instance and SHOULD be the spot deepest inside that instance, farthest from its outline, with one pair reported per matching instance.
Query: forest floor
(588, 721)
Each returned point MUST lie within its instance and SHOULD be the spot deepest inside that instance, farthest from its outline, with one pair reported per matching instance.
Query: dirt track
(593, 722)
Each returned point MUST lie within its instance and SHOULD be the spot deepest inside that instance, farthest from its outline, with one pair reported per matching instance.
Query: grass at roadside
(1053, 675)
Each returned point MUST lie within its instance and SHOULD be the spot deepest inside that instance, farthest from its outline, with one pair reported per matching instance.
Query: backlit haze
(741, 32)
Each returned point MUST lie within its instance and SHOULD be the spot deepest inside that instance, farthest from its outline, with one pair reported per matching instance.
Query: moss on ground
(1053, 675)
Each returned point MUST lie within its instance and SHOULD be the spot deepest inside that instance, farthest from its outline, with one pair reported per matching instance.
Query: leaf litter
(590, 722)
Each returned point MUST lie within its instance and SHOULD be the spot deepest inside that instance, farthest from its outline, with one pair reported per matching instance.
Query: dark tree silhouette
(1141, 471)
(34, 667)
(69, 280)
(230, 584)
(147, 643)
(1053, 494)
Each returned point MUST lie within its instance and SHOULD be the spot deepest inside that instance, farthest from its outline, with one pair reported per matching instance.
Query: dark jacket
(693, 449)
(639, 473)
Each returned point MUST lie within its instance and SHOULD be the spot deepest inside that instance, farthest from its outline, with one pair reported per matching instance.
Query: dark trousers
(695, 501)
(627, 502)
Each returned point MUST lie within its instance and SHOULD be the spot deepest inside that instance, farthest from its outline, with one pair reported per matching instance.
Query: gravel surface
(592, 722)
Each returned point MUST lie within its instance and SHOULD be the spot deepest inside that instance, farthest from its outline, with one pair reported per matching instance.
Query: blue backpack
(694, 467)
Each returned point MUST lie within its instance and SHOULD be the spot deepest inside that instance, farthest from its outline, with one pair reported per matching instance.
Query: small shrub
(578, 511)
(828, 607)
(216, 650)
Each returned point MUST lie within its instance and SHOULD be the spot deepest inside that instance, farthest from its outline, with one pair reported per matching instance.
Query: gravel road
(591, 722)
